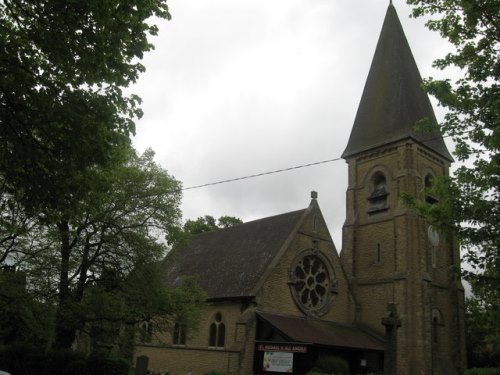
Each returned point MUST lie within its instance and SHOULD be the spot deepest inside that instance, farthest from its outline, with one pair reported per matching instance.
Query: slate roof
(323, 332)
(231, 262)
(392, 100)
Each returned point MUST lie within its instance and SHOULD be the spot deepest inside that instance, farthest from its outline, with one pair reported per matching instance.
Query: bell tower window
(379, 193)
(428, 185)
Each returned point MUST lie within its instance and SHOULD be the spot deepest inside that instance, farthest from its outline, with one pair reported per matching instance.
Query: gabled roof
(231, 262)
(322, 332)
(392, 100)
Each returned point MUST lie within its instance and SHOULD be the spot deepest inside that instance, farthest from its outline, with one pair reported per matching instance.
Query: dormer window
(379, 193)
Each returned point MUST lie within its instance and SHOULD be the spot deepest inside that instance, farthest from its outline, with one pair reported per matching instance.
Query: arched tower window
(217, 333)
(437, 323)
(431, 199)
(378, 194)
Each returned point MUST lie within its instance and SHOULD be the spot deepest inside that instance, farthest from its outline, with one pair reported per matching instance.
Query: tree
(63, 66)
(483, 331)
(472, 120)
(22, 318)
(469, 206)
(208, 223)
(116, 230)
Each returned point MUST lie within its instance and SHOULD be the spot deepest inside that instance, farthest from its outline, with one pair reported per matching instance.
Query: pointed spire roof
(392, 100)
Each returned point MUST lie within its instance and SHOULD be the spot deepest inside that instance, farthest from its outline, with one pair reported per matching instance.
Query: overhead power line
(278, 170)
(261, 174)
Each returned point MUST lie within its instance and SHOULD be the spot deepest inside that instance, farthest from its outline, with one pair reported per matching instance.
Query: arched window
(437, 323)
(378, 194)
(146, 332)
(431, 199)
(179, 336)
(217, 334)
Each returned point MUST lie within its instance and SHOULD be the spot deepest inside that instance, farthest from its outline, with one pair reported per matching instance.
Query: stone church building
(280, 295)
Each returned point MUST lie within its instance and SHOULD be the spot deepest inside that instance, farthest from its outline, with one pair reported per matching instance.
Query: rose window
(311, 283)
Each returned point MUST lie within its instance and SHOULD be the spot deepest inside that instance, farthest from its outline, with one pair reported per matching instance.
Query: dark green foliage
(471, 210)
(483, 371)
(203, 224)
(208, 223)
(22, 319)
(22, 360)
(99, 364)
(62, 109)
(61, 362)
(469, 206)
(482, 329)
(331, 365)
(26, 360)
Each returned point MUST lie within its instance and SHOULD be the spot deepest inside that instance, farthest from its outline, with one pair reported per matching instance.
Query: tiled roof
(230, 262)
(392, 100)
(323, 332)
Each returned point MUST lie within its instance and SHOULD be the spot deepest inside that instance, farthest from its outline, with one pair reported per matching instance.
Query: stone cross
(391, 322)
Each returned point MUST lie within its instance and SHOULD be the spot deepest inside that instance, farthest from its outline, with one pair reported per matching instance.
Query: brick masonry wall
(411, 271)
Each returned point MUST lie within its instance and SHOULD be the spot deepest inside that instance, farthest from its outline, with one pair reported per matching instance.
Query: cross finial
(314, 194)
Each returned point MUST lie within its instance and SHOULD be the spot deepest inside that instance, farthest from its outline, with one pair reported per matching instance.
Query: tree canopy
(208, 223)
(84, 219)
(472, 121)
(64, 65)
(469, 207)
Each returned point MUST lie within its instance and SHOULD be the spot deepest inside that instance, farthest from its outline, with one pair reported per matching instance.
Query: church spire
(392, 100)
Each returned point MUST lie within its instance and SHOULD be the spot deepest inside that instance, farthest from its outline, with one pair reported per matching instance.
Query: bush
(22, 359)
(25, 360)
(59, 362)
(331, 365)
(483, 371)
(99, 364)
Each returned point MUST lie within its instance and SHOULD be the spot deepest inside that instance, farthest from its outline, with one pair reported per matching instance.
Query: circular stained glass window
(311, 282)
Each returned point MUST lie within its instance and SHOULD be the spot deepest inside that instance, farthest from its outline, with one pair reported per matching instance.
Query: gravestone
(141, 365)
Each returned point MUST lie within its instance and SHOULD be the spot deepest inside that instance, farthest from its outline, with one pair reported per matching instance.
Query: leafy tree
(22, 318)
(208, 223)
(472, 120)
(140, 298)
(63, 113)
(483, 330)
(116, 230)
(469, 206)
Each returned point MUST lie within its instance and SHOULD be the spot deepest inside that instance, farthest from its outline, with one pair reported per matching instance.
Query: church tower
(390, 254)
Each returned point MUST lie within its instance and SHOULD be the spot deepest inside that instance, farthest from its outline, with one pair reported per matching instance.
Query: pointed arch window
(179, 335)
(217, 332)
(437, 323)
(428, 182)
(379, 193)
(146, 332)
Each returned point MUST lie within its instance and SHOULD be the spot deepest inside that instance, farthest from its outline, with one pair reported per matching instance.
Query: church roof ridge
(393, 100)
(230, 262)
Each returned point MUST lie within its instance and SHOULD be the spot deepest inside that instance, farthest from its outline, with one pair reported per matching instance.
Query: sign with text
(278, 362)
(282, 348)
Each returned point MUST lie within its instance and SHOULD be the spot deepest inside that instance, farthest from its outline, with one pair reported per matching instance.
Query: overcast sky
(240, 87)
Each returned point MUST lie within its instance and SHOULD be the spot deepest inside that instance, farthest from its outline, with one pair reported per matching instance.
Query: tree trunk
(66, 317)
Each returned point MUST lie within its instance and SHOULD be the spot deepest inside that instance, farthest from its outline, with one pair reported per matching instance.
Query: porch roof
(323, 332)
